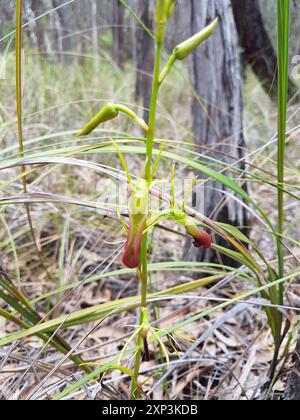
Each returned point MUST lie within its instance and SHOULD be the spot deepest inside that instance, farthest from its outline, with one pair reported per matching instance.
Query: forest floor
(226, 355)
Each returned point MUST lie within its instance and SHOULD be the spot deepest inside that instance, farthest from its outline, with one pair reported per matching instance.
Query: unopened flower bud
(188, 46)
(107, 113)
(170, 8)
(164, 10)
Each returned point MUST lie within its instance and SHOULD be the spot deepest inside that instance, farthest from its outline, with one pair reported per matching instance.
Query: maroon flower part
(131, 256)
(201, 238)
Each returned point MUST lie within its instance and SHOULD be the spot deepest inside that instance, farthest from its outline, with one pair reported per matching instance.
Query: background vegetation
(65, 296)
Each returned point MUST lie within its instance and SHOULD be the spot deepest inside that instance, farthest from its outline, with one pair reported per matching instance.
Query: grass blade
(283, 15)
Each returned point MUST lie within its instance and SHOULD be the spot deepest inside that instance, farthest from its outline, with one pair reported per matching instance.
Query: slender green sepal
(123, 163)
(156, 163)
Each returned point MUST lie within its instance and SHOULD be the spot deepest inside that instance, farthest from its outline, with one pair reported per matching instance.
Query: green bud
(188, 46)
(160, 16)
(107, 113)
(171, 8)
(164, 10)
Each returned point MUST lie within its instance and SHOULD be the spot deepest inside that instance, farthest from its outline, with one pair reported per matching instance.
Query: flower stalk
(135, 254)
(110, 112)
(164, 10)
(143, 266)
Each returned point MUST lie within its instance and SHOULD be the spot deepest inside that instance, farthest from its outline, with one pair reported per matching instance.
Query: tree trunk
(179, 27)
(216, 77)
(95, 34)
(144, 56)
(293, 384)
(257, 48)
(37, 7)
(63, 28)
(118, 34)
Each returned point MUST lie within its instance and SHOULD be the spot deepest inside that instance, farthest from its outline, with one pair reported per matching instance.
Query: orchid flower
(201, 237)
(138, 212)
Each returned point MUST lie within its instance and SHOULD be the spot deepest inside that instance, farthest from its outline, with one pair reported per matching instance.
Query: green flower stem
(143, 269)
(135, 392)
(137, 365)
(167, 68)
(153, 108)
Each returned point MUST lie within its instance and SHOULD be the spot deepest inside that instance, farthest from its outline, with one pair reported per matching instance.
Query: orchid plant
(141, 219)
(255, 267)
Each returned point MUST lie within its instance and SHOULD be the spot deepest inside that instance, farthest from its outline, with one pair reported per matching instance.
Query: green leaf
(104, 310)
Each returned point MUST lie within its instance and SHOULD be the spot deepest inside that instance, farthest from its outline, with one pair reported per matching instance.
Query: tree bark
(218, 122)
(63, 28)
(118, 34)
(38, 29)
(257, 48)
(144, 56)
(178, 28)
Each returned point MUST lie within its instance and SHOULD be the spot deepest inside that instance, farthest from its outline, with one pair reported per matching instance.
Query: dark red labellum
(131, 256)
(201, 238)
